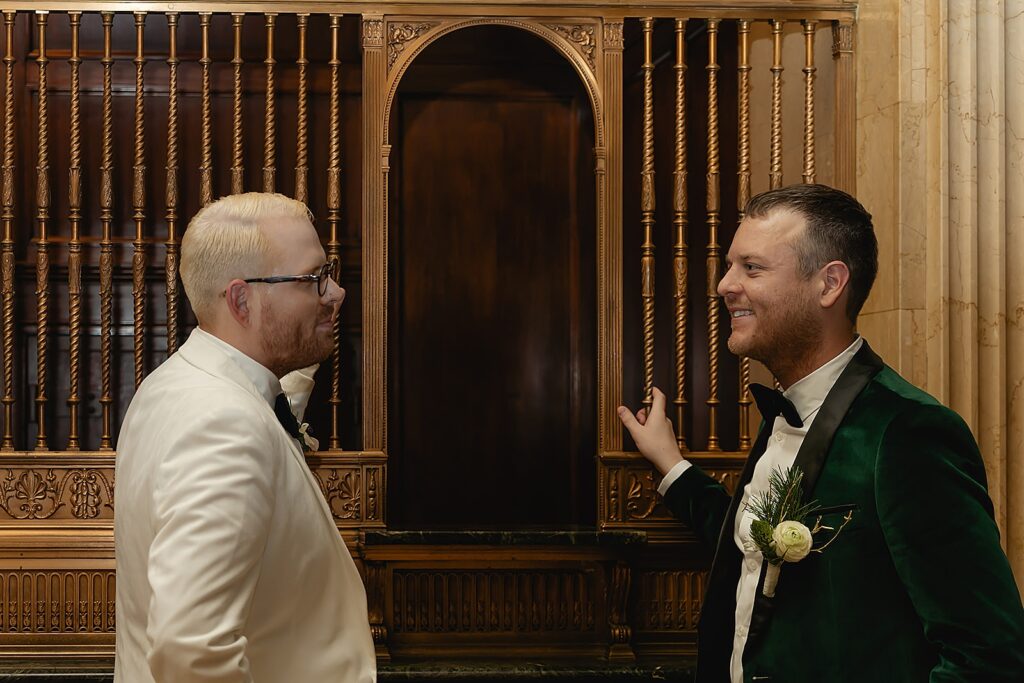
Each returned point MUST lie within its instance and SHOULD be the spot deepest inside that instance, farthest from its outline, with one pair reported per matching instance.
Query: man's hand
(653, 433)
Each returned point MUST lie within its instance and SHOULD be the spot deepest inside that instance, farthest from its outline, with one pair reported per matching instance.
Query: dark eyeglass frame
(329, 270)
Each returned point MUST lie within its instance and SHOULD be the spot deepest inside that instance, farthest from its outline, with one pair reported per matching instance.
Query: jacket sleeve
(214, 498)
(699, 502)
(938, 523)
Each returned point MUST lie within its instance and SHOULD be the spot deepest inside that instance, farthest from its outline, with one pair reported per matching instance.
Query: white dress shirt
(807, 396)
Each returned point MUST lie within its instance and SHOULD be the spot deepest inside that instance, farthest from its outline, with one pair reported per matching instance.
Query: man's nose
(335, 293)
(727, 283)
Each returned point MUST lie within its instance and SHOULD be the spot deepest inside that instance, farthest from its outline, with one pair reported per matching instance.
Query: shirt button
(780, 437)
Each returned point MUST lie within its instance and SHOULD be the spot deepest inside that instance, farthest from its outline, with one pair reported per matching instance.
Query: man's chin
(744, 348)
(736, 346)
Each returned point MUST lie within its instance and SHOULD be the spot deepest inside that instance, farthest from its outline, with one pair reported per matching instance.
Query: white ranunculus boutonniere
(308, 440)
(778, 530)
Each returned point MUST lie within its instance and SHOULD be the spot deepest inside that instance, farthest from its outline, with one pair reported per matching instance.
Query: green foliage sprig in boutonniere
(778, 529)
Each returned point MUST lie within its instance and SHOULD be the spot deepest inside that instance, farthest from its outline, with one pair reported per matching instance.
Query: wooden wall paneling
(493, 288)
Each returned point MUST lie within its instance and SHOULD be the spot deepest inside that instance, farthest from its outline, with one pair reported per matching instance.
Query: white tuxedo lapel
(206, 356)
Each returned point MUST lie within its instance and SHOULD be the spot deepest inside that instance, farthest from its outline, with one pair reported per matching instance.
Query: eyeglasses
(329, 270)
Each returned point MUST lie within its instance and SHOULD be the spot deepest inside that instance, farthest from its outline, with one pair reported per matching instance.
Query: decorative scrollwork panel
(63, 493)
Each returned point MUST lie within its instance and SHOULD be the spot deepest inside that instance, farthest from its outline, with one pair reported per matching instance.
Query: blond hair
(225, 241)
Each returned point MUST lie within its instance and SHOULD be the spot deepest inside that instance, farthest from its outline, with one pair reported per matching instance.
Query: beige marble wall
(940, 115)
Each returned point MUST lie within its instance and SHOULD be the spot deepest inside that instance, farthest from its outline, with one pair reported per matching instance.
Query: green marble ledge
(413, 672)
(549, 537)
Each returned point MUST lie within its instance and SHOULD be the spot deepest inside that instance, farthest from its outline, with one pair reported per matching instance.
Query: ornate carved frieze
(497, 602)
(57, 601)
(342, 487)
(401, 34)
(353, 491)
(669, 600)
(581, 36)
(56, 493)
(629, 488)
(641, 495)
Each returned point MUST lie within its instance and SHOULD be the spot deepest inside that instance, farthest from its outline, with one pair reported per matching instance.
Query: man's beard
(290, 346)
(788, 338)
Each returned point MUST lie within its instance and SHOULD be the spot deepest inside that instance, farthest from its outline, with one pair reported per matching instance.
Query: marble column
(940, 82)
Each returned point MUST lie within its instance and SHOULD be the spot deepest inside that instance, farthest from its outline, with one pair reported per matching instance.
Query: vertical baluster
(7, 245)
(713, 256)
(334, 216)
(680, 261)
(42, 243)
(775, 174)
(139, 204)
(742, 196)
(106, 244)
(647, 211)
(236, 143)
(302, 117)
(206, 165)
(171, 265)
(75, 247)
(269, 132)
(810, 71)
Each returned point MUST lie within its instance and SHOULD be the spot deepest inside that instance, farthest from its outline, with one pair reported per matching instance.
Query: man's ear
(237, 295)
(835, 276)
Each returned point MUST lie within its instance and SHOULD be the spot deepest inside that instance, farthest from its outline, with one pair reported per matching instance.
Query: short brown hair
(838, 229)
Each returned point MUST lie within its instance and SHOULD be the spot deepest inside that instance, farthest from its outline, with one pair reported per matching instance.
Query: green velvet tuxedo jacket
(915, 589)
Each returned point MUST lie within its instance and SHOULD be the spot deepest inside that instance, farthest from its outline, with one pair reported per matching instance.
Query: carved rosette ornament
(581, 36)
(400, 35)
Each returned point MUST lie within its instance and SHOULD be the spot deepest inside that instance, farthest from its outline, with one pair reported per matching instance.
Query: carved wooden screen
(119, 125)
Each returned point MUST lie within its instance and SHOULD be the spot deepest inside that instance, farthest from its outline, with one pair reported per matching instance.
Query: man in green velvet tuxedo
(916, 587)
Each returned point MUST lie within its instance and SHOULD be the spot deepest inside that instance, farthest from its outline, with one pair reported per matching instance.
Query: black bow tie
(772, 403)
(286, 417)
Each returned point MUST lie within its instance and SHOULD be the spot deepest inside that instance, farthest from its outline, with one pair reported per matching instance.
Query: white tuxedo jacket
(229, 564)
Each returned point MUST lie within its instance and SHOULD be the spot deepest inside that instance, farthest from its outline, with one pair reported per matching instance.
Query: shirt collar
(809, 393)
(264, 380)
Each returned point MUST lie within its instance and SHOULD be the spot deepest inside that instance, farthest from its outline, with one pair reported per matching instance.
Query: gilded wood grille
(118, 125)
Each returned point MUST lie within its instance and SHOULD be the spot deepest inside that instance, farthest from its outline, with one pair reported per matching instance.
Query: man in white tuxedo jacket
(229, 565)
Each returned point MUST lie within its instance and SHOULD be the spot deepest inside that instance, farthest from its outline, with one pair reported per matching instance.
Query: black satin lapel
(811, 457)
(864, 365)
